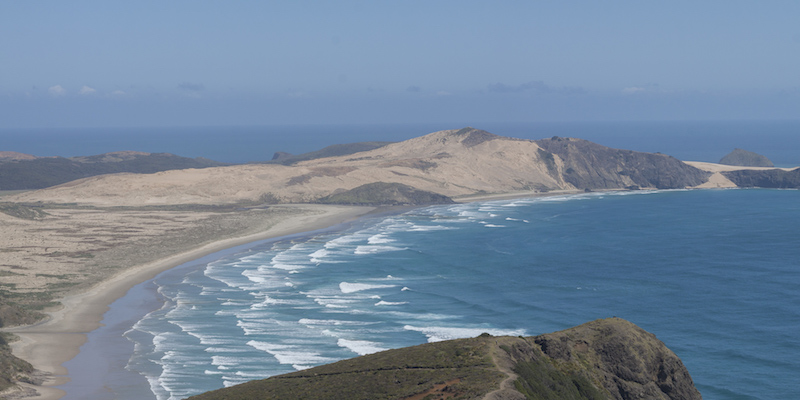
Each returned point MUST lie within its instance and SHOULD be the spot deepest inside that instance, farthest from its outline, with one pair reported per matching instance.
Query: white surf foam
(347, 287)
(374, 249)
(380, 238)
(428, 228)
(290, 355)
(332, 322)
(390, 303)
(360, 347)
(440, 333)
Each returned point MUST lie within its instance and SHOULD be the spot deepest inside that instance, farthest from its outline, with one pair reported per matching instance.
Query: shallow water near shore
(713, 273)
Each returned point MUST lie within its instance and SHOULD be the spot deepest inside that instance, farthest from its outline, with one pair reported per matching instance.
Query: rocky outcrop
(744, 158)
(588, 165)
(603, 359)
(627, 361)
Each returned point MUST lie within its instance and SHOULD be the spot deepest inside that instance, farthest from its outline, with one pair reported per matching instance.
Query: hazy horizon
(181, 63)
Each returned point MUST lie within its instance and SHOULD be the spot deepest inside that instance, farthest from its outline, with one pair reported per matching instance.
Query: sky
(204, 63)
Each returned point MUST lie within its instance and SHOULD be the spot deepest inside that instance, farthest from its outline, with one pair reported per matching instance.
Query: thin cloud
(538, 87)
(633, 90)
(297, 94)
(414, 89)
(86, 90)
(56, 91)
(192, 87)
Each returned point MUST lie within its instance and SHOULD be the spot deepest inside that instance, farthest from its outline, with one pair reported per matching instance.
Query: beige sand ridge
(438, 162)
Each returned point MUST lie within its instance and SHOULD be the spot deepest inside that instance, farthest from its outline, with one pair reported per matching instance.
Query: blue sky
(178, 63)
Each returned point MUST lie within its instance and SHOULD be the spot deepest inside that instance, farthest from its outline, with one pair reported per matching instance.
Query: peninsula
(69, 250)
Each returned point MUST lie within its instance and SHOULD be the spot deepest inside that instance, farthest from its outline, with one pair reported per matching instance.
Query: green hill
(603, 359)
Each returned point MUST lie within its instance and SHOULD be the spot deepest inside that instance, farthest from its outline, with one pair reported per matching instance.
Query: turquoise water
(713, 273)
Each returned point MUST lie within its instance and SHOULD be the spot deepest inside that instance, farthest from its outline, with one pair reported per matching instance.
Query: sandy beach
(49, 344)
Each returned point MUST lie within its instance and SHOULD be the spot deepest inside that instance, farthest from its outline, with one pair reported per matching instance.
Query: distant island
(744, 158)
(100, 224)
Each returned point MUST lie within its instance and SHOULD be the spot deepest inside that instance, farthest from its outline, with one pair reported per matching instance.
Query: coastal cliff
(603, 359)
(588, 165)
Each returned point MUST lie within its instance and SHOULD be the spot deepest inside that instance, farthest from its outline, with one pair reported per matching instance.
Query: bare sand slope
(454, 163)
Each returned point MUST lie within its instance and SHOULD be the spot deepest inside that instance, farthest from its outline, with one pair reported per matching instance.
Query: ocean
(712, 273)
(686, 140)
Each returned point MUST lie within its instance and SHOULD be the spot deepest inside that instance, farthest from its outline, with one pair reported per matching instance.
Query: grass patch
(59, 276)
(23, 211)
(464, 366)
(81, 255)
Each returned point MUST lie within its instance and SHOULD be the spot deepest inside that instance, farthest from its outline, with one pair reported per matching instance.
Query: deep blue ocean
(712, 273)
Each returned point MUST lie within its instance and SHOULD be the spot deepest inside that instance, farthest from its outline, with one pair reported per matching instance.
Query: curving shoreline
(49, 344)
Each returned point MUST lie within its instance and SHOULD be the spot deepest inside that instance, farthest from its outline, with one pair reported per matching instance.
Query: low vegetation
(12, 369)
(394, 374)
(44, 172)
(383, 194)
(603, 359)
(335, 150)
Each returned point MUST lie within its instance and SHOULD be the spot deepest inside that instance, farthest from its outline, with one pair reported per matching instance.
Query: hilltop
(744, 158)
(603, 359)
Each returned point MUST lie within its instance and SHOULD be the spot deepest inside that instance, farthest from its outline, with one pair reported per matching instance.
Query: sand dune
(452, 163)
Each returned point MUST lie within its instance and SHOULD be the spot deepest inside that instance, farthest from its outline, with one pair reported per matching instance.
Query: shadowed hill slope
(382, 193)
(603, 359)
(330, 151)
(773, 178)
(589, 165)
